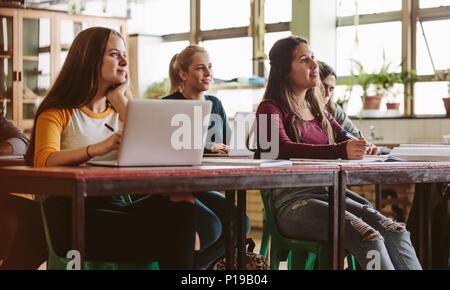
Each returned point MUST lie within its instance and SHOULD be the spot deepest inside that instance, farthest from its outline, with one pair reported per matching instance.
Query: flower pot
(372, 103)
(447, 105)
(393, 106)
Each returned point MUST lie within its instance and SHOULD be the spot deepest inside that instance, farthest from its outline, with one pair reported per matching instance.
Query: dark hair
(77, 82)
(325, 70)
(279, 88)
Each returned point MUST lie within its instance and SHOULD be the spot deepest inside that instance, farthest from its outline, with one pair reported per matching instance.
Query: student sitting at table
(22, 244)
(12, 139)
(328, 77)
(306, 130)
(190, 74)
(92, 90)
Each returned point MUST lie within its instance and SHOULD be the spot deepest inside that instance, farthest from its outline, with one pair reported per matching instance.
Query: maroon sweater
(314, 141)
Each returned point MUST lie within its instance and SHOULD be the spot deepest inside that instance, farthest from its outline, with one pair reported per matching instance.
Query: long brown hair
(181, 62)
(279, 88)
(77, 82)
(325, 70)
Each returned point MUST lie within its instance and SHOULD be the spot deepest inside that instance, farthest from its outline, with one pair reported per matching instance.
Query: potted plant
(364, 80)
(444, 75)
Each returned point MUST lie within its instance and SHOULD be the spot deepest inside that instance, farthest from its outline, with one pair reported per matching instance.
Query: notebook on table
(162, 133)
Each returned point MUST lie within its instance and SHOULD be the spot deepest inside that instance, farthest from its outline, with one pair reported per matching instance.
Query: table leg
(341, 221)
(336, 236)
(420, 195)
(428, 227)
(78, 212)
(228, 229)
(241, 228)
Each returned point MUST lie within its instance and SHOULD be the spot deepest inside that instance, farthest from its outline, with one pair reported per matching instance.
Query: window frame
(409, 16)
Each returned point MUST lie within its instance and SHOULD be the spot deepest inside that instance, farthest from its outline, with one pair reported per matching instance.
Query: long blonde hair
(181, 62)
(279, 88)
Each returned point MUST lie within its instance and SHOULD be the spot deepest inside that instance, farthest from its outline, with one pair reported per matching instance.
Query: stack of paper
(422, 152)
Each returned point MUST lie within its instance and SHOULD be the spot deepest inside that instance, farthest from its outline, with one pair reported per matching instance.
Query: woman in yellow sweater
(91, 91)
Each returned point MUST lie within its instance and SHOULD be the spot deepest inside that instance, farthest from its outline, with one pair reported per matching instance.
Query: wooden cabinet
(33, 47)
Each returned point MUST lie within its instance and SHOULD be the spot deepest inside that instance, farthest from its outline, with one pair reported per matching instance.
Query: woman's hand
(110, 144)
(116, 96)
(356, 148)
(220, 148)
(372, 149)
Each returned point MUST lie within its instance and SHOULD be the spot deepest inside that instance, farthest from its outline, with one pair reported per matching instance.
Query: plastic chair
(301, 255)
(55, 262)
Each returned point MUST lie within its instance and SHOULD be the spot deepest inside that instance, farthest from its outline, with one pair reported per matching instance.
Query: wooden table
(83, 181)
(419, 173)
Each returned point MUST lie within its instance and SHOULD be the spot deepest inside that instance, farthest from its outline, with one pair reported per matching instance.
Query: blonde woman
(191, 74)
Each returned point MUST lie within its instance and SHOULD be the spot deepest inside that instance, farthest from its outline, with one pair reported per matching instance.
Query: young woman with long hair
(306, 130)
(190, 73)
(89, 92)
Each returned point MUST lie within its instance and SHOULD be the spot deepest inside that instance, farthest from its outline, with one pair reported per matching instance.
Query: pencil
(109, 127)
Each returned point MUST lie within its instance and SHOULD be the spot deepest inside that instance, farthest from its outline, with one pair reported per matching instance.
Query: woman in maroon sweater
(306, 130)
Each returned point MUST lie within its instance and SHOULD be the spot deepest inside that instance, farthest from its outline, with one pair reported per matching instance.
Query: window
(277, 11)
(349, 7)
(433, 3)
(428, 97)
(230, 58)
(439, 47)
(373, 39)
(160, 17)
(217, 14)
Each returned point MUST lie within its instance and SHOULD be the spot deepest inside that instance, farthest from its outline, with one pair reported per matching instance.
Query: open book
(243, 162)
(367, 158)
(422, 152)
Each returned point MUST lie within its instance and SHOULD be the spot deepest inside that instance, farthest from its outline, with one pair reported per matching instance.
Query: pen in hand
(109, 127)
(346, 134)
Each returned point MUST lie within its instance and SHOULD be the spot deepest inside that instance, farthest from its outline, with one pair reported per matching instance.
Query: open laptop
(162, 133)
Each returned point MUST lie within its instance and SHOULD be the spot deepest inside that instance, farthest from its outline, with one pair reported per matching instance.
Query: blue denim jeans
(376, 241)
(211, 210)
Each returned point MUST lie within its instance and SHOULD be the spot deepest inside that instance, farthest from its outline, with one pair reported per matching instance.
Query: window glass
(428, 98)
(373, 39)
(154, 57)
(351, 7)
(230, 58)
(439, 47)
(216, 14)
(159, 17)
(433, 3)
(277, 11)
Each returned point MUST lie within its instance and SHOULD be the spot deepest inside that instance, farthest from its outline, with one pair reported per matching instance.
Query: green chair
(301, 255)
(55, 262)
